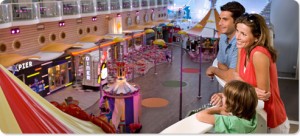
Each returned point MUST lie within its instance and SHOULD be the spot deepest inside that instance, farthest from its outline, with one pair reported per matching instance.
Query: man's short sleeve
(233, 59)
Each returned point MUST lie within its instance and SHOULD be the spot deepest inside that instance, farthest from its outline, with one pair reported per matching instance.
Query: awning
(91, 38)
(57, 47)
(209, 25)
(10, 59)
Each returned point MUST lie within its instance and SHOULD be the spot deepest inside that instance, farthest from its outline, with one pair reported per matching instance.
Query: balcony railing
(15, 14)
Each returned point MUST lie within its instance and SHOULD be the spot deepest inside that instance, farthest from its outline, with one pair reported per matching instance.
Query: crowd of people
(247, 62)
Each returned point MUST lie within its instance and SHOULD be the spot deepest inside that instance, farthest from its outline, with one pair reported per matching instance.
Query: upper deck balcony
(17, 14)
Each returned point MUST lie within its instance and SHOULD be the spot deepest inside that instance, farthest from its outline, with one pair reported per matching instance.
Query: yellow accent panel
(58, 47)
(91, 38)
(118, 39)
(8, 122)
(159, 42)
(182, 32)
(34, 74)
(10, 59)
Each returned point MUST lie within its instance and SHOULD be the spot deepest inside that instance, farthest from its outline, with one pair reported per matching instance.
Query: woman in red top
(256, 66)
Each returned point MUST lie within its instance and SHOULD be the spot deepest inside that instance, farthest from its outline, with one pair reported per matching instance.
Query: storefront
(45, 77)
(94, 71)
(135, 42)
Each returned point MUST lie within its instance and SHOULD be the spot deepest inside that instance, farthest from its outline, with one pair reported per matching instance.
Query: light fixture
(61, 23)
(40, 26)
(15, 31)
(79, 21)
(94, 18)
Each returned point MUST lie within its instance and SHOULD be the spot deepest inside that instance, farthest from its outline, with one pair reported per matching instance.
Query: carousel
(121, 100)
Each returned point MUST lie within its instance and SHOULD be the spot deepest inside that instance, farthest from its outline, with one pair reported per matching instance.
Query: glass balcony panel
(159, 2)
(144, 3)
(70, 8)
(102, 5)
(5, 13)
(135, 3)
(87, 6)
(114, 4)
(23, 11)
(126, 4)
(152, 3)
(49, 9)
(165, 2)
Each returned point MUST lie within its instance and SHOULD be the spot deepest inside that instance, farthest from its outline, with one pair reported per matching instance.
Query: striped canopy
(209, 25)
(24, 111)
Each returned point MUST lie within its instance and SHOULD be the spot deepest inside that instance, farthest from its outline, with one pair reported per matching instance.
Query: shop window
(62, 35)
(52, 37)
(153, 16)
(88, 30)
(80, 31)
(130, 43)
(16, 44)
(146, 17)
(129, 21)
(95, 28)
(42, 39)
(137, 20)
(138, 41)
(2, 47)
(58, 76)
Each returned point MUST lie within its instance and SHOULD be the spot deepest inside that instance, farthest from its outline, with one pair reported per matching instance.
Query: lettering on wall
(22, 66)
(87, 67)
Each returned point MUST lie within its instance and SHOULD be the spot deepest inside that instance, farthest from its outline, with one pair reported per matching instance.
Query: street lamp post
(99, 49)
(132, 42)
(200, 57)
(182, 33)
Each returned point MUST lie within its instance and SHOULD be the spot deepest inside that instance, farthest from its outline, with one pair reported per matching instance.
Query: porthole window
(2, 47)
(146, 17)
(137, 20)
(42, 39)
(52, 37)
(16, 44)
(88, 30)
(80, 31)
(129, 21)
(95, 28)
(62, 35)
(153, 16)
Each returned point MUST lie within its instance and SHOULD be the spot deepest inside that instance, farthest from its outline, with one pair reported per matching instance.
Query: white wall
(285, 18)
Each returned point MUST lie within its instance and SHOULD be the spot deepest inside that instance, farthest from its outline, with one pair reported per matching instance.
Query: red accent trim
(31, 116)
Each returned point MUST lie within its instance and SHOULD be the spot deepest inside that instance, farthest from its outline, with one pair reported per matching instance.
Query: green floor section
(173, 83)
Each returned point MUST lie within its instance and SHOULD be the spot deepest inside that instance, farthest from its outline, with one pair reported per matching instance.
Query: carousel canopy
(121, 86)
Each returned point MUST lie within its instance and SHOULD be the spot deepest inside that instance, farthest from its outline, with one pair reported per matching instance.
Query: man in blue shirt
(227, 55)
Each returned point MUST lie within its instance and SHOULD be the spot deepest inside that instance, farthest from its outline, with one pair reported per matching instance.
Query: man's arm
(226, 75)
